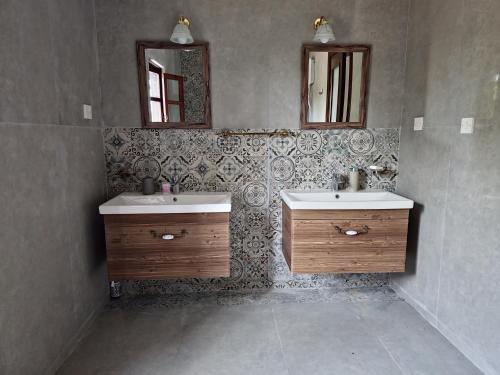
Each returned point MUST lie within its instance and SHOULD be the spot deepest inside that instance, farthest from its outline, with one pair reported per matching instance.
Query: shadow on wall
(413, 231)
(96, 225)
(93, 227)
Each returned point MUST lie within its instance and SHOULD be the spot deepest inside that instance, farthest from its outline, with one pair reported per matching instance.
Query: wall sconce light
(324, 33)
(181, 33)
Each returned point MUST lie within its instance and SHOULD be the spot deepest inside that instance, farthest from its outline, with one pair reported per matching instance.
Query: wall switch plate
(418, 123)
(467, 126)
(87, 112)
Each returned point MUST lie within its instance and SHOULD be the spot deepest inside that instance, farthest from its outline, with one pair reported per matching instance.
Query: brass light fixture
(181, 33)
(324, 32)
(184, 21)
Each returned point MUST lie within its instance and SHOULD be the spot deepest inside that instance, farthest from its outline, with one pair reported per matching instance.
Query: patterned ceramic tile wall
(254, 169)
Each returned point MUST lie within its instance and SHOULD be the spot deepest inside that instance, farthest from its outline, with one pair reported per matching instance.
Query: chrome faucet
(175, 184)
(338, 182)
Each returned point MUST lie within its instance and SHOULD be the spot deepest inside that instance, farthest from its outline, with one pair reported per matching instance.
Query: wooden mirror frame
(141, 47)
(306, 50)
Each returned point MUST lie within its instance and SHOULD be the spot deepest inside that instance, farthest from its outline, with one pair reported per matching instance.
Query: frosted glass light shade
(181, 34)
(324, 34)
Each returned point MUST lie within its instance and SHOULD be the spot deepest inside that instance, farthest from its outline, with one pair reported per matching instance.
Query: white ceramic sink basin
(330, 200)
(136, 203)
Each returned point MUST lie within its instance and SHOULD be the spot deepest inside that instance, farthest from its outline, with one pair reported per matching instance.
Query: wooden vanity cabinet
(315, 241)
(159, 246)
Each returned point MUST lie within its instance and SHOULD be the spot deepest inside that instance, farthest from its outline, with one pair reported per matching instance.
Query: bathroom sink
(136, 203)
(340, 200)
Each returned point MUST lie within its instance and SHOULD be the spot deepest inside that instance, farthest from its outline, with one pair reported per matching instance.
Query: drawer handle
(168, 236)
(352, 232)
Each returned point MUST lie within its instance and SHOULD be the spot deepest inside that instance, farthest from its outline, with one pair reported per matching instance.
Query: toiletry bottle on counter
(354, 179)
(166, 188)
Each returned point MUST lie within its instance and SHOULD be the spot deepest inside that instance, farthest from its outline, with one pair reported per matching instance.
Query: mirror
(334, 86)
(174, 85)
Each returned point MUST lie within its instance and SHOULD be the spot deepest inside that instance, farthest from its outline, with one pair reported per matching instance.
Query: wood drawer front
(348, 214)
(149, 237)
(164, 219)
(317, 246)
(199, 267)
(137, 251)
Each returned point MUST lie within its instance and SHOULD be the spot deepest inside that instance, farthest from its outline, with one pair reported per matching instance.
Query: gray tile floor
(363, 331)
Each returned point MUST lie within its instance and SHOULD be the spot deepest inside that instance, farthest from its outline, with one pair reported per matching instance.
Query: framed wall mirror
(174, 85)
(334, 86)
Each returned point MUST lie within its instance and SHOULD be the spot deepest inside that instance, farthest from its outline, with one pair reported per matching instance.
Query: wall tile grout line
(62, 126)
(98, 67)
(443, 237)
(105, 177)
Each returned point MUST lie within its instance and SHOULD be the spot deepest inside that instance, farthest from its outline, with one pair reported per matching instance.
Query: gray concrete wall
(452, 72)
(51, 270)
(255, 49)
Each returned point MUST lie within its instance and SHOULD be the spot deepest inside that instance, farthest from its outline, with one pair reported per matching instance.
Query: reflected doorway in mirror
(174, 85)
(334, 86)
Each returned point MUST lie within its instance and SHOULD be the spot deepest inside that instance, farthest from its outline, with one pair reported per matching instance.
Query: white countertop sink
(159, 203)
(344, 200)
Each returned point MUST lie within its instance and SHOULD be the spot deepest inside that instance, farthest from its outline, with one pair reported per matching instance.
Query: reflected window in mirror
(174, 85)
(334, 86)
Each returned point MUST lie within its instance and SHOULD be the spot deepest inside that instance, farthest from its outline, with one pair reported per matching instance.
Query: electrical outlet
(87, 112)
(467, 126)
(418, 123)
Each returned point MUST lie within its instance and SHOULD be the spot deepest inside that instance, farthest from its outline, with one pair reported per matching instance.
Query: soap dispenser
(354, 179)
